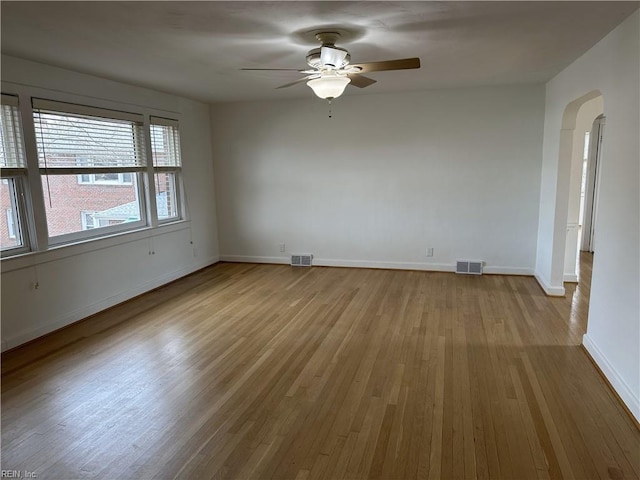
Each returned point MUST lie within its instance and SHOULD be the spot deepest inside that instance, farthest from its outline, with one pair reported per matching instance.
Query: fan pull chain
(330, 108)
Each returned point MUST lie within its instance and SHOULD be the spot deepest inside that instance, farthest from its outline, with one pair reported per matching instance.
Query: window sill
(58, 252)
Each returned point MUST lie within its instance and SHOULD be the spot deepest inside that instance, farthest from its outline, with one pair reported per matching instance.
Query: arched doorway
(587, 137)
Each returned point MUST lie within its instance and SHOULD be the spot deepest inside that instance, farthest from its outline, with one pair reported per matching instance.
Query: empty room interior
(300, 240)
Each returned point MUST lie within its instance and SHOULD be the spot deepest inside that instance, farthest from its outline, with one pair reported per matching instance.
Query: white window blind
(165, 142)
(71, 136)
(11, 144)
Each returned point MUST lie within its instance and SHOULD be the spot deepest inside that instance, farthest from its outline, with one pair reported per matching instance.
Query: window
(91, 162)
(13, 234)
(90, 172)
(165, 149)
(11, 225)
(105, 179)
(88, 222)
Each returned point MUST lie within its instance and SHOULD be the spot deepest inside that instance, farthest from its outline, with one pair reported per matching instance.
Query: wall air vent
(301, 260)
(469, 267)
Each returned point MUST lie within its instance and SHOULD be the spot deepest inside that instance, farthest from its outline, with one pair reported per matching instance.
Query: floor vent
(469, 268)
(301, 260)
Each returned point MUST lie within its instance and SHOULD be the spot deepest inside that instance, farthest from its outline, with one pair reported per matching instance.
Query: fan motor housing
(313, 58)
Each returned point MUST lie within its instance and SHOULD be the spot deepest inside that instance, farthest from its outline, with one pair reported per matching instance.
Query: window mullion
(35, 202)
(150, 190)
(180, 197)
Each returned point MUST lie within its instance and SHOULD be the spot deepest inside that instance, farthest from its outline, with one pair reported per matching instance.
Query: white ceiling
(196, 49)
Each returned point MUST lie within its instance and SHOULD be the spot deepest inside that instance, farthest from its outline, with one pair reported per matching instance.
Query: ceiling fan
(331, 71)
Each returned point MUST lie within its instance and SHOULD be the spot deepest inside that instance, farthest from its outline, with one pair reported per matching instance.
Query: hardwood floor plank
(245, 371)
(435, 461)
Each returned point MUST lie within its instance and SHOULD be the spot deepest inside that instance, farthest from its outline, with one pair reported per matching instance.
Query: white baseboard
(548, 289)
(570, 278)
(625, 393)
(88, 310)
(330, 262)
(327, 262)
(430, 267)
(254, 259)
(508, 271)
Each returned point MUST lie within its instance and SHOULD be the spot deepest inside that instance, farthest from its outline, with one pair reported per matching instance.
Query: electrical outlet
(429, 252)
(282, 247)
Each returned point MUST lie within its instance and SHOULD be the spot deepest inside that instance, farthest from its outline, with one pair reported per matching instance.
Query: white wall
(586, 115)
(613, 336)
(384, 179)
(79, 280)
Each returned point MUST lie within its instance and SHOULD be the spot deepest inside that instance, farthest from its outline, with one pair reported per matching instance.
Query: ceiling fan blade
(360, 81)
(276, 69)
(401, 64)
(332, 56)
(300, 80)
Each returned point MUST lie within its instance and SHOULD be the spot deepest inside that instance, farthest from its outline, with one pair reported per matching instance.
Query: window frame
(103, 231)
(136, 170)
(175, 170)
(177, 197)
(16, 186)
(16, 180)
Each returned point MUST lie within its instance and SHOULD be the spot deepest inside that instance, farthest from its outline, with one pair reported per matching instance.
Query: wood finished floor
(262, 371)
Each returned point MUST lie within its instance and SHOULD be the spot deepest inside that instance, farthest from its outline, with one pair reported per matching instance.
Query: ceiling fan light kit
(331, 71)
(329, 87)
